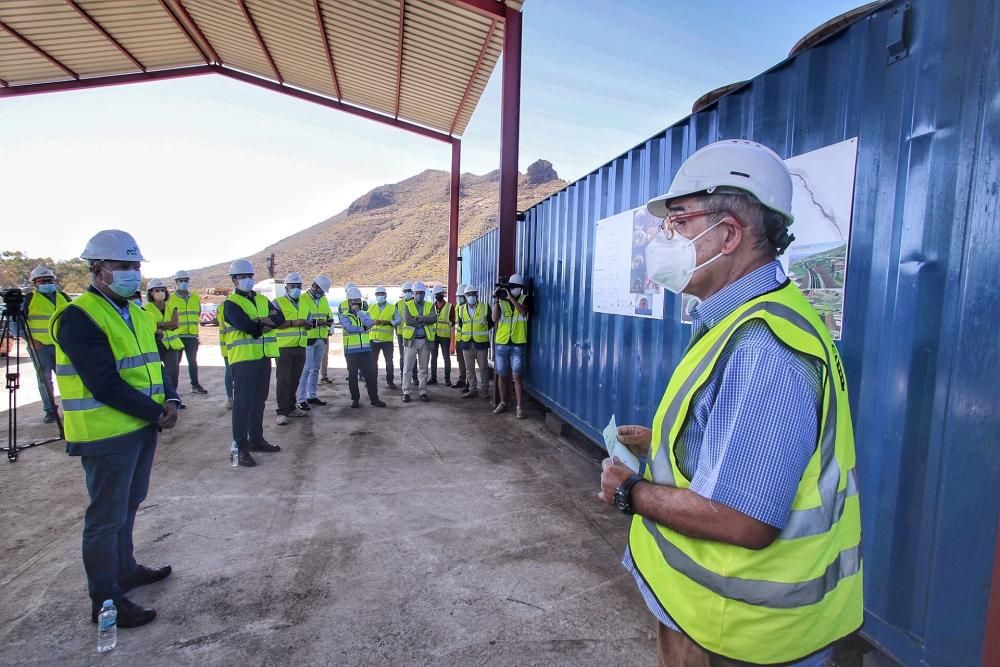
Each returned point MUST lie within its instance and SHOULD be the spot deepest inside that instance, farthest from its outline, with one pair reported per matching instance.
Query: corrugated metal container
(922, 308)
(479, 262)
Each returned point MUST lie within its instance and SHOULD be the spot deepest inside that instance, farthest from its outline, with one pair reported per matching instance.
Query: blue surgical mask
(137, 302)
(125, 283)
(245, 284)
(461, 300)
(473, 300)
(47, 289)
(295, 292)
(407, 295)
(380, 298)
(183, 285)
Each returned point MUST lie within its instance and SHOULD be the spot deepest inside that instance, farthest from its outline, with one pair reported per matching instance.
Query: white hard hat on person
(41, 272)
(419, 287)
(733, 163)
(182, 275)
(353, 293)
(322, 282)
(407, 286)
(349, 285)
(114, 245)
(438, 290)
(461, 290)
(241, 267)
(294, 278)
(516, 279)
(380, 290)
(157, 283)
(471, 289)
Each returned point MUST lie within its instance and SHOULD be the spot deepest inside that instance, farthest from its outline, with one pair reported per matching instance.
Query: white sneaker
(500, 409)
(520, 413)
(282, 420)
(298, 413)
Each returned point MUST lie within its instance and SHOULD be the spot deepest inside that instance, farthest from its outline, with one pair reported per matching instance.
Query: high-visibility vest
(401, 308)
(382, 333)
(242, 346)
(802, 592)
(292, 336)
(40, 311)
(223, 327)
(474, 327)
(85, 419)
(170, 339)
(316, 309)
(423, 311)
(444, 322)
(513, 326)
(354, 341)
(188, 313)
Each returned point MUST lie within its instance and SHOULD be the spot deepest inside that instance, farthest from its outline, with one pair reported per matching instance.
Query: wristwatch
(623, 494)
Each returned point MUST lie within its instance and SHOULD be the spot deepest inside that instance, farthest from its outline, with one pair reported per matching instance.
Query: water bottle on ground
(107, 627)
(234, 455)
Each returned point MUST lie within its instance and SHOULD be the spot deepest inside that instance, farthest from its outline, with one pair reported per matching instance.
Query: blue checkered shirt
(754, 425)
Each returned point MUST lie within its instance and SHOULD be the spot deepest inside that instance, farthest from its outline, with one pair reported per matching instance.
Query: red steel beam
(260, 40)
(454, 191)
(991, 641)
(37, 49)
(187, 33)
(3, 83)
(187, 17)
(107, 35)
(399, 54)
(475, 73)
(326, 47)
(510, 118)
(101, 81)
(490, 8)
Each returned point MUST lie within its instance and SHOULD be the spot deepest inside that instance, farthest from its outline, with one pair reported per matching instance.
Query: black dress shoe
(448, 383)
(198, 389)
(245, 459)
(263, 447)
(354, 404)
(48, 418)
(425, 398)
(326, 380)
(182, 407)
(378, 404)
(303, 406)
(144, 576)
(316, 401)
(432, 381)
(406, 398)
(390, 385)
(130, 615)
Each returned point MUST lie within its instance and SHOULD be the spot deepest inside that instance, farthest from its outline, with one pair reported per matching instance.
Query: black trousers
(444, 345)
(191, 352)
(251, 385)
(363, 362)
(291, 361)
(385, 348)
(402, 359)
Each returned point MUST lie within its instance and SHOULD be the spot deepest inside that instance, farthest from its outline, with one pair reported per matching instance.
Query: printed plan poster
(822, 203)
(619, 278)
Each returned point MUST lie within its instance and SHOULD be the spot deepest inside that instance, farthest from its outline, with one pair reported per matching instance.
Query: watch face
(622, 501)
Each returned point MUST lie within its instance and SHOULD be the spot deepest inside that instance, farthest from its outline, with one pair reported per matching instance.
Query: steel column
(454, 191)
(509, 137)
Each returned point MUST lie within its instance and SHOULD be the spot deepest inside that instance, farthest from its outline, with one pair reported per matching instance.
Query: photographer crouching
(511, 308)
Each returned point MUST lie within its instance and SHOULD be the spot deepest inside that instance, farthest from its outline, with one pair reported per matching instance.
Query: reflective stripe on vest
(40, 311)
(170, 340)
(425, 310)
(87, 420)
(444, 322)
(401, 307)
(474, 327)
(292, 336)
(354, 341)
(223, 328)
(513, 326)
(382, 333)
(316, 309)
(188, 313)
(802, 592)
(242, 346)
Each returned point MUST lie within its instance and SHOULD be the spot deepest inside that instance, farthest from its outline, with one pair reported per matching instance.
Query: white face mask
(245, 284)
(671, 262)
(515, 292)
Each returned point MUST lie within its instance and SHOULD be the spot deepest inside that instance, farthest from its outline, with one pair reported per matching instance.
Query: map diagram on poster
(621, 286)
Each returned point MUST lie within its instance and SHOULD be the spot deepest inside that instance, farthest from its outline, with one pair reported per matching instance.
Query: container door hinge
(896, 39)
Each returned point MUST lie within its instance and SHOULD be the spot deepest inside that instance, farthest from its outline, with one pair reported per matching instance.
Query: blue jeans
(310, 373)
(509, 358)
(46, 356)
(117, 485)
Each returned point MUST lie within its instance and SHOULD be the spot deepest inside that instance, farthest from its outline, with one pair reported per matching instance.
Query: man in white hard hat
(188, 306)
(39, 306)
(442, 339)
(511, 309)
(319, 314)
(401, 305)
(293, 337)
(357, 325)
(418, 335)
(474, 342)
(385, 319)
(250, 345)
(462, 382)
(745, 538)
(115, 401)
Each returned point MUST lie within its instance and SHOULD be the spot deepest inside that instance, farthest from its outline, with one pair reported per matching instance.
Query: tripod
(13, 302)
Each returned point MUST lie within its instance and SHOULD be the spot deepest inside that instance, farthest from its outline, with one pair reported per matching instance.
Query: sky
(208, 169)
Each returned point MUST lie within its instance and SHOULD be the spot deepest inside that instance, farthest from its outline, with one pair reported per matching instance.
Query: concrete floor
(418, 534)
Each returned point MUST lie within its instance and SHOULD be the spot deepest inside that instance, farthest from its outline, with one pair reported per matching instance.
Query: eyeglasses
(669, 224)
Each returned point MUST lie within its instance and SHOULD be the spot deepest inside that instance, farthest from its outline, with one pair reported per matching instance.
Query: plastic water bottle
(107, 627)
(234, 455)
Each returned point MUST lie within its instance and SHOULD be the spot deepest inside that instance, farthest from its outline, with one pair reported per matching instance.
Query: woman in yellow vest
(188, 306)
(745, 535)
(165, 316)
(442, 337)
(39, 306)
(511, 308)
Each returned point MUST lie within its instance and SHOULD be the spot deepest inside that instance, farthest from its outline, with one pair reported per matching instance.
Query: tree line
(72, 275)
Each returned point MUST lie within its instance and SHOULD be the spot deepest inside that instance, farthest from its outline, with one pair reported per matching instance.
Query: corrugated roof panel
(230, 34)
(146, 31)
(293, 37)
(19, 64)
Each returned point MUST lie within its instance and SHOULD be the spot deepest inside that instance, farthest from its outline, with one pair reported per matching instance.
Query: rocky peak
(541, 171)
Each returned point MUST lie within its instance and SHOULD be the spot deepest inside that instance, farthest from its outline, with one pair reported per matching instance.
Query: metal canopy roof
(415, 61)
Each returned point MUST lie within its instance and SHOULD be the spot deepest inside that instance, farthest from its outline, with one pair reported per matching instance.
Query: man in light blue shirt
(356, 324)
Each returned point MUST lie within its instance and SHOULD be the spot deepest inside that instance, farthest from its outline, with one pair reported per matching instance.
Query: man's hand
(613, 474)
(636, 438)
(169, 416)
(267, 322)
(306, 324)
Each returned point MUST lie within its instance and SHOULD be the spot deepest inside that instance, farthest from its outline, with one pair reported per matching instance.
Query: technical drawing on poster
(621, 286)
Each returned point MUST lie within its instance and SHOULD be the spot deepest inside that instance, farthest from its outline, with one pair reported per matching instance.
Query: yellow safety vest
(354, 341)
(292, 336)
(401, 308)
(382, 333)
(444, 322)
(802, 592)
(316, 310)
(513, 326)
(40, 311)
(223, 328)
(409, 332)
(242, 346)
(474, 327)
(85, 419)
(188, 313)
(171, 340)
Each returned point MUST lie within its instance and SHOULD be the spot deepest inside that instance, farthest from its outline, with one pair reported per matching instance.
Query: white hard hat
(241, 266)
(156, 282)
(471, 289)
(349, 285)
(323, 282)
(419, 287)
(438, 290)
(407, 286)
(113, 244)
(516, 279)
(41, 272)
(182, 275)
(353, 293)
(734, 163)
(380, 290)
(295, 278)
(461, 290)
